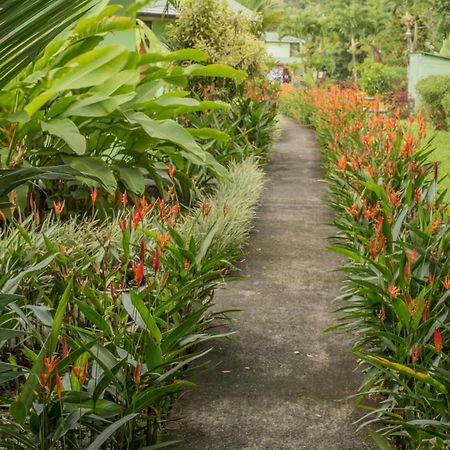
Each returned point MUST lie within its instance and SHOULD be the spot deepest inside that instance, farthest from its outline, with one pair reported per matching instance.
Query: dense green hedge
(435, 95)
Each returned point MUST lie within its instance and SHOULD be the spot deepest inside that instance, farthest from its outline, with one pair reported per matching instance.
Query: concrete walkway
(280, 384)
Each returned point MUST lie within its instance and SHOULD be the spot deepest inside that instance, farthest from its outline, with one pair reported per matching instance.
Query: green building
(422, 65)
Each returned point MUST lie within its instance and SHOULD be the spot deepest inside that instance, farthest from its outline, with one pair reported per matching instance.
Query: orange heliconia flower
(412, 255)
(138, 269)
(415, 353)
(80, 372)
(206, 207)
(59, 385)
(446, 284)
(122, 224)
(93, 196)
(175, 209)
(47, 369)
(137, 374)
(163, 240)
(342, 163)
(354, 210)
(58, 207)
(171, 170)
(156, 261)
(124, 199)
(394, 291)
(437, 338)
(435, 225)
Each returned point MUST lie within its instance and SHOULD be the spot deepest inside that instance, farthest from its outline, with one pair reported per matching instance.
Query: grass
(441, 154)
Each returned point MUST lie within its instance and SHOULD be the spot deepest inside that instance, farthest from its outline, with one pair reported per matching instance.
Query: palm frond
(27, 26)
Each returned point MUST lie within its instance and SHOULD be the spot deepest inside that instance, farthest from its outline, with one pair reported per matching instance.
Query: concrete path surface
(280, 383)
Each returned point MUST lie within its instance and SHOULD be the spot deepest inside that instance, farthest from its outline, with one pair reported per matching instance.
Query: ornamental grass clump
(394, 228)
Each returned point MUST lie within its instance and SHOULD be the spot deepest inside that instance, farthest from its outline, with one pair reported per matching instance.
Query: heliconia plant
(100, 322)
(393, 225)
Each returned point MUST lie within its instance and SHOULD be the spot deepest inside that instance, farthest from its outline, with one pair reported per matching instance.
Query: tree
(271, 11)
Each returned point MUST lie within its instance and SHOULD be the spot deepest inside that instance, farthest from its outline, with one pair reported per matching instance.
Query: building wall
(279, 49)
(421, 66)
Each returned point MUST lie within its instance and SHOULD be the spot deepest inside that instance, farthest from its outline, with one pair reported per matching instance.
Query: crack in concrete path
(282, 383)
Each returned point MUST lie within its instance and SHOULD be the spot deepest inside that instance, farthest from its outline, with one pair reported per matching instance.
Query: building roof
(273, 36)
(158, 9)
(436, 55)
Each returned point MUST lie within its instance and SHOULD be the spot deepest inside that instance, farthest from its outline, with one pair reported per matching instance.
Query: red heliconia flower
(156, 261)
(412, 255)
(122, 224)
(435, 170)
(137, 374)
(394, 291)
(206, 207)
(58, 207)
(415, 353)
(59, 385)
(142, 251)
(425, 309)
(382, 313)
(124, 199)
(93, 196)
(407, 272)
(64, 347)
(171, 170)
(162, 208)
(437, 340)
(187, 264)
(430, 278)
(32, 204)
(175, 210)
(138, 269)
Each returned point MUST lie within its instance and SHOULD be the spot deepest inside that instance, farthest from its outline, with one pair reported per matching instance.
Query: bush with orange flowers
(393, 225)
(100, 320)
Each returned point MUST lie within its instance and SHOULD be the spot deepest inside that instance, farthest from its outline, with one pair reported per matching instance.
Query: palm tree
(27, 26)
(271, 11)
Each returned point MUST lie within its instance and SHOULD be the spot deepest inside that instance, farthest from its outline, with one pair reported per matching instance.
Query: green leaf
(109, 431)
(68, 132)
(91, 68)
(6, 299)
(70, 422)
(167, 130)
(187, 54)
(7, 333)
(132, 178)
(380, 441)
(148, 397)
(209, 133)
(215, 70)
(94, 166)
(92, 106)
(101, 323)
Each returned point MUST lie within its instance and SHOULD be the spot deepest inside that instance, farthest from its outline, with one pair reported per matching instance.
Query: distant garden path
(279, 383)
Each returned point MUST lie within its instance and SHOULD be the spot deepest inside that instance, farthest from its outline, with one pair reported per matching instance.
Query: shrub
(249, 123)
(380, 78)
(435, 95)
(227, 37)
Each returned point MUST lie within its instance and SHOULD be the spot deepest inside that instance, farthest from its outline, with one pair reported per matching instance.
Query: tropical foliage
(123, 204)
(392, 225)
